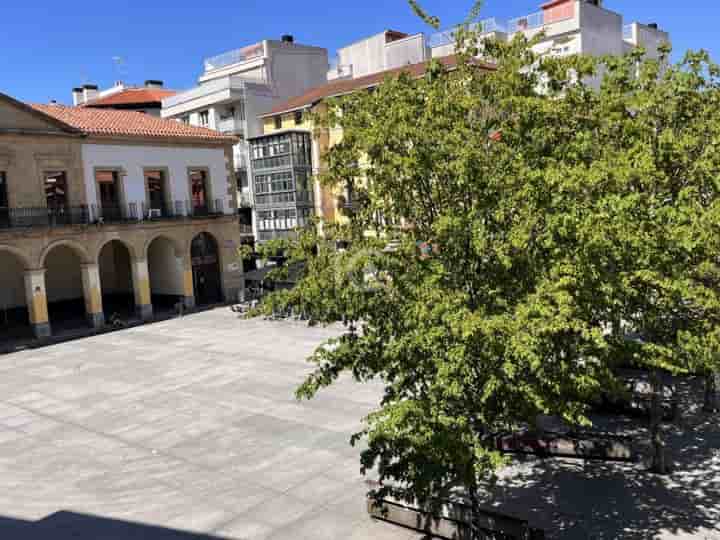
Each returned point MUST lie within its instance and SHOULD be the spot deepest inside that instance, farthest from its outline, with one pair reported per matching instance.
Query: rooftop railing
(629, 32)
(528, 22)
(447, 37)
(235, 56)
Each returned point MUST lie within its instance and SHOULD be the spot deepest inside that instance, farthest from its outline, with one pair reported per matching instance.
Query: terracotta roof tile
(111, 122)
(346, 86)
(132, 96)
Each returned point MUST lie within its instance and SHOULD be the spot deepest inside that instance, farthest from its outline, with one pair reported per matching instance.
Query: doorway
(206, 270)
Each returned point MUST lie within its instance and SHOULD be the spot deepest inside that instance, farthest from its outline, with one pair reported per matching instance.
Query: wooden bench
(450, 520)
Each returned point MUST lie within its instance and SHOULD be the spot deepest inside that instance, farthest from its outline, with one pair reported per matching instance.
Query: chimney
(287, 38)
(152, 83)
(90, 92)
(78, 96)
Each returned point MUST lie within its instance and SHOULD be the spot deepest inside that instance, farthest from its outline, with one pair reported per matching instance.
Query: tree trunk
(472, 489)
(711, 393)
(659, 465)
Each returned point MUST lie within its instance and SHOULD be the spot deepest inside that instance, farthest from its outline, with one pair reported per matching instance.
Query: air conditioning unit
(154, 213)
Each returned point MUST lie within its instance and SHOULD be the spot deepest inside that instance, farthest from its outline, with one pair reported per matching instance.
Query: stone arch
(115, 260)
(77, 248)
(181, 249)
(168, 272)
(131, 248)
(15, 320)
(65, 263)
(22, 257)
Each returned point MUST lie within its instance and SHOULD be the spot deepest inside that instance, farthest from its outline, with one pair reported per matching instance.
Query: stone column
(141, 286)
(188, 286)
(92, 291)
(36, 299)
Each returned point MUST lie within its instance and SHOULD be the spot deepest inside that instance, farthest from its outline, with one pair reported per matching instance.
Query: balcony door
(108, 186)
(157, 193)
(56, 191)
(4, 205)
(199, 192)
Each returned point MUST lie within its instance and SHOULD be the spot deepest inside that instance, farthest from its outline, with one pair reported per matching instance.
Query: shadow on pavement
(576, 500)
(71, 526)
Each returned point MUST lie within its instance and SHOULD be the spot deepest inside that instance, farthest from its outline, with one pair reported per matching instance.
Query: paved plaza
(188, 429)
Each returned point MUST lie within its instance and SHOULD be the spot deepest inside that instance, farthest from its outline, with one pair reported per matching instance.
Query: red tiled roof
(112, 122)
(132, 96)
(346, 86)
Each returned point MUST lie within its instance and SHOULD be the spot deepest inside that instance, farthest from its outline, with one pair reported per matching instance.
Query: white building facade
(237, 87)
(569, 27)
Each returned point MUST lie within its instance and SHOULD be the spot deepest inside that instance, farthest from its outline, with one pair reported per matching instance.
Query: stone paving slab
(188, 429)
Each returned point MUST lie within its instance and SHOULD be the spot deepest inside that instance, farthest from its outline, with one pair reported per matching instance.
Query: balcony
(245, 229)
(231, 125)
(212, 208)
(131, 213)
(528, 22)
(21, 218)
(216, 91)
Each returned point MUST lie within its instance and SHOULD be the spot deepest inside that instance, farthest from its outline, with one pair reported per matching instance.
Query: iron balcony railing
(246, 229)
(121, 213)
(20, 218)
(208, 209)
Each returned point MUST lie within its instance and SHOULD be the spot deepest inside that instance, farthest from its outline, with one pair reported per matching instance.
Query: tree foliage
(561, 218)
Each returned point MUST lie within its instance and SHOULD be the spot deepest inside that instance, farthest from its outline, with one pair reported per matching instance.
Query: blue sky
(51, 46)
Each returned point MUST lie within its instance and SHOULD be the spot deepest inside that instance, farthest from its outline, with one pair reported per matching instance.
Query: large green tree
(559, 218)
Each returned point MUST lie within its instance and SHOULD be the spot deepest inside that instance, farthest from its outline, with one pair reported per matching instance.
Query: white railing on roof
(446, 37)
(233, 57)
(528, 22)
(629, 32)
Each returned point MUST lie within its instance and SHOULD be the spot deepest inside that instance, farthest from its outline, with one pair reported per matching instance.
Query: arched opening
(166, 275)
(14, 316)
(206, 270)
(116, 281)
(64, 287)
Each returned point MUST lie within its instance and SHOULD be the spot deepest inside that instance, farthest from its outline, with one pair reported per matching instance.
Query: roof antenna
(120, 66)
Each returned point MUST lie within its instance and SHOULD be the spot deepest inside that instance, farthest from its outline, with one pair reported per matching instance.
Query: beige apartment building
(110, 213)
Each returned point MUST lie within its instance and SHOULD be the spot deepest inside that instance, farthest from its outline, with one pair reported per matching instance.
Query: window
(184, 120)
(156, 193)
(108, 189)
(278, 122)
(199, 189)
(56, 190)
(204, 118)
(298, 118)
